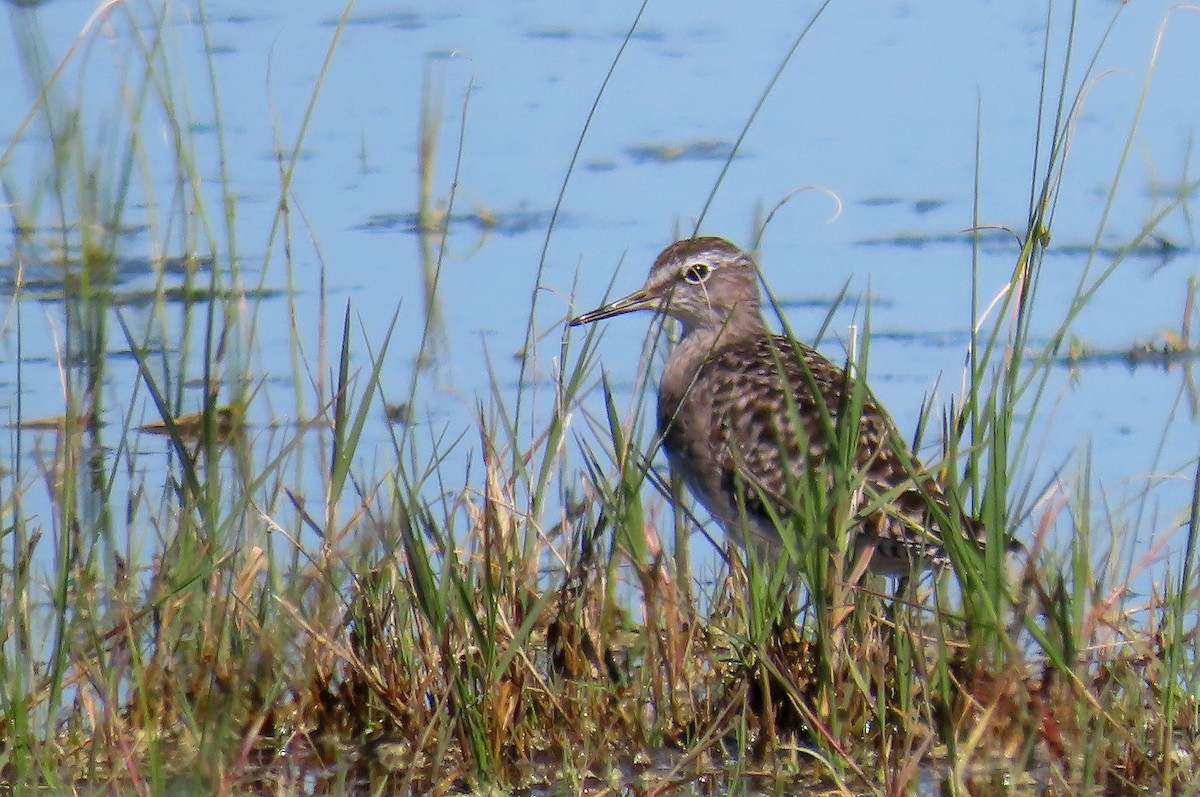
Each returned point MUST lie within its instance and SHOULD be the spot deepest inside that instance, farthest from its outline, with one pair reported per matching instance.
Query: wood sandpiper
(745, 416)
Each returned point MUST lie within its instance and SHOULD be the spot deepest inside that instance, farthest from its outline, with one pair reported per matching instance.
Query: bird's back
(750, 419)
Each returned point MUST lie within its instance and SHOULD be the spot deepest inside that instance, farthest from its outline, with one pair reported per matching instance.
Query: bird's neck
(700, 341)
(740, 320)
(741, 323)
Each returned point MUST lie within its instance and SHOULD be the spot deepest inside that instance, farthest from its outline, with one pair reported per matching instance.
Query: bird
(746, 416)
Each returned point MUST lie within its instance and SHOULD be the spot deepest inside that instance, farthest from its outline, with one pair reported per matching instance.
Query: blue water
(887, 106)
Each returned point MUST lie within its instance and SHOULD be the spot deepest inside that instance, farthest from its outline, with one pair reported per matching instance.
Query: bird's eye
(697, 273)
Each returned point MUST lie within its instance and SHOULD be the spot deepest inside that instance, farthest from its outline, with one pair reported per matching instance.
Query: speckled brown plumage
(740, 414)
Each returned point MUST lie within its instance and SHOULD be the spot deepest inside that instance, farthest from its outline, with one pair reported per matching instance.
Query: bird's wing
(782, 406)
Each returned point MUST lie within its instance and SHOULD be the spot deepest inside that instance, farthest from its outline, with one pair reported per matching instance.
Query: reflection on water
(385, 764)
(702, 150)
(481, 220)
(1156, 248)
